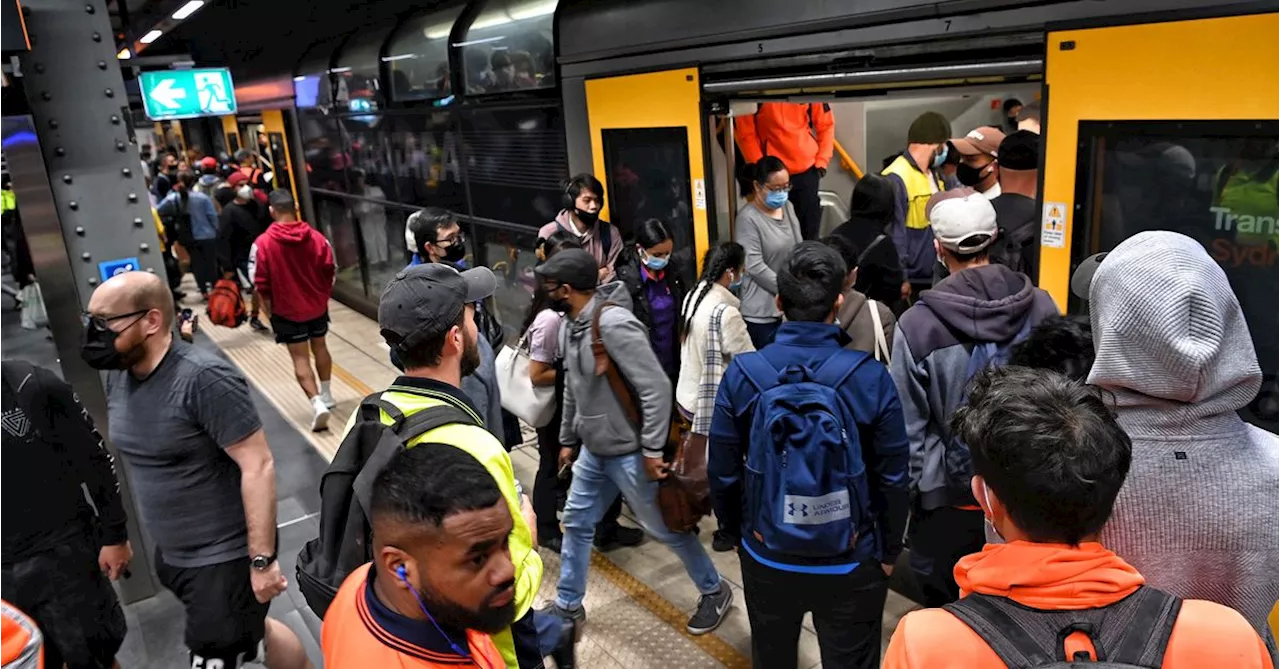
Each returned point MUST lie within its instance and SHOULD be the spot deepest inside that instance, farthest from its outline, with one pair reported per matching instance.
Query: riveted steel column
(100, 209)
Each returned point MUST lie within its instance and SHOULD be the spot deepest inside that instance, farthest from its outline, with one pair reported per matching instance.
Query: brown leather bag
(684, 496)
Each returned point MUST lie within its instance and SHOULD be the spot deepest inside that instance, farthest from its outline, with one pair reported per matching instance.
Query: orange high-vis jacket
(786, 130)
(21, 646)
(353, 638)
(1057, 577)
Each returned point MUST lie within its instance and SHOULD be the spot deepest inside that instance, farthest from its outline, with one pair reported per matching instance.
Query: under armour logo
(804, 510)
(16, 423)
(791, 507)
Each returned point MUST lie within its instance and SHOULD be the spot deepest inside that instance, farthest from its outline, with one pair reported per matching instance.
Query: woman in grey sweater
(767, 228)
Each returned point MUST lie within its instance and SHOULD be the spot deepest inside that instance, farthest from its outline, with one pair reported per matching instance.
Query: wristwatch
(261, 562)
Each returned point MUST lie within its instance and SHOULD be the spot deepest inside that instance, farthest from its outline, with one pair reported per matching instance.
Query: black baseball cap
(575, 268)
(424, 301)
(1082, 278)
(1020, 151)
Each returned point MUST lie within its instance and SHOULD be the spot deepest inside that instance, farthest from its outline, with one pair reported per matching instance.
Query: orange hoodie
(782, 129)
(1058, 577)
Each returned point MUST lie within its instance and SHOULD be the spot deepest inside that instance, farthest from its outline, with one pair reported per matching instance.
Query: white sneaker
(320, 421)
(328, 400)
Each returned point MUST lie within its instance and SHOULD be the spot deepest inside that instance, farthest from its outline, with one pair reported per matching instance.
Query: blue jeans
(596, 479)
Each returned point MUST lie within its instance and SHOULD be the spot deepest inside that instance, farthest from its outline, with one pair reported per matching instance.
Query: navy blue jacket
(872, 399)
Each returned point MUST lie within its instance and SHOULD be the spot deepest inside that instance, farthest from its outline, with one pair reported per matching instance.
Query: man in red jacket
(292, 268)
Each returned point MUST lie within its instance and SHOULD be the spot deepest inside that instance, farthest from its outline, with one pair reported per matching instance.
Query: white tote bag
(33, 313)
(534, 405)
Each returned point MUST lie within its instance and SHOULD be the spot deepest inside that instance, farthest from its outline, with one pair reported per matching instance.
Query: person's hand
(566, 456)
(530, 519)
(822, 172)
(267, 583)
(888, 568)
(114, 560)
(906, 291)
(656, 468)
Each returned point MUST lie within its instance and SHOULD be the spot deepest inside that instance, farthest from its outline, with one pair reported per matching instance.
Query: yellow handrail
(847, 162)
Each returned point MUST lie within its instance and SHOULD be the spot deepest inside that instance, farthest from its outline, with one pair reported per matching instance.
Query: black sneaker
(723, 542)
(552, 544)
(564, 654)
(608, 540)
(711, 610)
(577, 617)
(257, 325)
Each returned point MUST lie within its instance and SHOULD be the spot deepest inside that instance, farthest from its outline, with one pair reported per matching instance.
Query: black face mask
(560, 305)
(99, 349)
(970, 176)
(455, 251)
(589, 218)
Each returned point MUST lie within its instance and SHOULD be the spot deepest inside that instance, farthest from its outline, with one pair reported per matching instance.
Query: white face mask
(244, 192)
(993, 535)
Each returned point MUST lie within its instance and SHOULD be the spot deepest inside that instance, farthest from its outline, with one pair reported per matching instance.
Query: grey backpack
(1129, 634)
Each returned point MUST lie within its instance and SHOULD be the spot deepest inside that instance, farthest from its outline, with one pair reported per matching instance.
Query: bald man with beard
(201, 470)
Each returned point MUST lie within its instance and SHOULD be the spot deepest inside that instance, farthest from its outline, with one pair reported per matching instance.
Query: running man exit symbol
(212, 89)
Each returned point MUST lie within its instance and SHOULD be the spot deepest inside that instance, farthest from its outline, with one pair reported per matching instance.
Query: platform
(638, 599)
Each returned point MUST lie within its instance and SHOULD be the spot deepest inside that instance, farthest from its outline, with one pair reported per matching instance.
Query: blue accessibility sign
(110, 268)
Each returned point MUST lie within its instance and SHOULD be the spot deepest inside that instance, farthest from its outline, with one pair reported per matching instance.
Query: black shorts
(224, 619)
(293, 332)
(64, 591)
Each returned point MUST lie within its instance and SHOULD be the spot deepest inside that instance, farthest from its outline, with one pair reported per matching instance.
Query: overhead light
(299, 78)
(339, 70)
(124, 54)
(150, 37)
(533, 9)
(187, 9)
(399, 56)
(438, 32)
(490, 21)
(482, 40)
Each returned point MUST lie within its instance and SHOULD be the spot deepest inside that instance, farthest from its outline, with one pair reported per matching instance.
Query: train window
(325, 153)
(418, 56)
(279, 164)
(371, 173)
(425, 162)
(510, 254)
(647, 173)
(312, 86)
(357, 86)
(516, 163)
(1214, 181)
(510, 47)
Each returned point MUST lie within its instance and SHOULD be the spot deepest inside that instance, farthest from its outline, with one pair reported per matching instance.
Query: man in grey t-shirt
(201, 470)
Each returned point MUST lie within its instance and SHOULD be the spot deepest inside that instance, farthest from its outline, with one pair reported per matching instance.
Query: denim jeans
(596, 479)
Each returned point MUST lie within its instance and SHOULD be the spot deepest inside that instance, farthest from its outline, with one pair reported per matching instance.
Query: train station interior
(1151, 115)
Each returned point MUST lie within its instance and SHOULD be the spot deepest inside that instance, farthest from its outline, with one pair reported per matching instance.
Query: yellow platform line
(711, 644)
(351, 380)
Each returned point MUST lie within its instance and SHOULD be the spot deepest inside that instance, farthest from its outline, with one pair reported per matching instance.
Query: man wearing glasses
(201, 471)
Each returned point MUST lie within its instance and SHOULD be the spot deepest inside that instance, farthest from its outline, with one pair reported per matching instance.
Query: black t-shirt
(238, 227)
(1016, 247)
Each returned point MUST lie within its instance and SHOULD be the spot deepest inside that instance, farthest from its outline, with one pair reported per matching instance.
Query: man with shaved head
(201, 471)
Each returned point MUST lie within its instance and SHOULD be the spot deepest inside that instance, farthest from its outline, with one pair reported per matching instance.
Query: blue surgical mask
(655, 264)
(735, 284)
(942, 156)
(775, 199)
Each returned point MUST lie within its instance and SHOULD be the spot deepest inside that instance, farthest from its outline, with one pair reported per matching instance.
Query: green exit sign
(170, 94)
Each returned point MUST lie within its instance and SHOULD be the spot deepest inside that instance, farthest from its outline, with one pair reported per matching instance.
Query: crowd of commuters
(900, 385)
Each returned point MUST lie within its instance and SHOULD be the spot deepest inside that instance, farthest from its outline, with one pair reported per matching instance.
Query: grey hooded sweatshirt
(592, 414)
(1198, 513)
(931, 348)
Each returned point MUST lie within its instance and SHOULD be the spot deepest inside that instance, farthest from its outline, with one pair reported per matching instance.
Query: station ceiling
(261, 38)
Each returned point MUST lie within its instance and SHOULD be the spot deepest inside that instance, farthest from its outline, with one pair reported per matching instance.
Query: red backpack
(226, 307)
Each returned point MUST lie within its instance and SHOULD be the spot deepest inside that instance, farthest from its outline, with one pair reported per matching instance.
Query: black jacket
(678, 277)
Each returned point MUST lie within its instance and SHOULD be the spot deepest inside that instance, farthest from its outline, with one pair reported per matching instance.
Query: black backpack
(347, 487)
(1132, 633)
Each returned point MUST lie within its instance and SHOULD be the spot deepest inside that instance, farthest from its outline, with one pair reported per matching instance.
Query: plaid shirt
(712, 372)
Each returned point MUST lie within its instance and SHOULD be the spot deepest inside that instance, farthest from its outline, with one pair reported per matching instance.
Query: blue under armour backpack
(957, 460)
(806, 482)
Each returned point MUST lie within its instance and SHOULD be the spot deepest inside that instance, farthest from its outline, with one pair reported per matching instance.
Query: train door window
(647, 173)
(510, 47)
(418, 56)
(233, 143)
(1214, 181)
(279, 167)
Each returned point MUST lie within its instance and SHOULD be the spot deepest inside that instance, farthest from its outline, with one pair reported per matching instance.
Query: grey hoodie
(930, 362)
(1198, 513)
(592, 414)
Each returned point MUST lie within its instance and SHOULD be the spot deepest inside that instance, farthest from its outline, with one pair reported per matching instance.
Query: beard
(470, 356)
(487, 619)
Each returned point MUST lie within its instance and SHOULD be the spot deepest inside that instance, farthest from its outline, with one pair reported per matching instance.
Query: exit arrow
(166, 95)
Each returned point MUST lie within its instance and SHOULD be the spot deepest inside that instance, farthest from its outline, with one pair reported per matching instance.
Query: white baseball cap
(958, 216)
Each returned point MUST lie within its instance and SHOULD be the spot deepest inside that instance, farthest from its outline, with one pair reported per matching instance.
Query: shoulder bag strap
(605, 366)
(1143, 638)
(758, 371)
(421, 422)
(882, 346)
(1005, 635)
(370, 406)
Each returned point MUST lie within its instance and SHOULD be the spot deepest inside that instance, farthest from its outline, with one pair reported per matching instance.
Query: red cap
(209, 162)
(236, 178)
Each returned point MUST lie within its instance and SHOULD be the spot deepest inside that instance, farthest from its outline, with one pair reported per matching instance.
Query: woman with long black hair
(714, 332)
(657, 277)
(550, 489)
